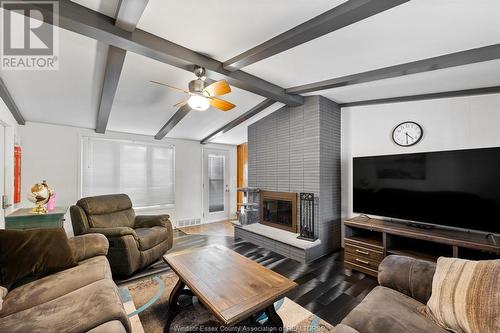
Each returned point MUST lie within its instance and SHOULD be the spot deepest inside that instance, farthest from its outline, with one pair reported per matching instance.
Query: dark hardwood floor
(326, 287)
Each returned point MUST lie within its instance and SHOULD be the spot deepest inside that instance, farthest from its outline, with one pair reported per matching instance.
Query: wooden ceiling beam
(347, 13)
(444, 94)
(173, 121)
(232, 124)
(461, 58)
(128, 15)
(11, 105)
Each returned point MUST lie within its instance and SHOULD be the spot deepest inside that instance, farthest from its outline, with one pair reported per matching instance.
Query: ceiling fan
(202, 94)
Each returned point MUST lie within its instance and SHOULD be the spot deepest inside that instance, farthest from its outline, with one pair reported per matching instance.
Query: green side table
(23, 218)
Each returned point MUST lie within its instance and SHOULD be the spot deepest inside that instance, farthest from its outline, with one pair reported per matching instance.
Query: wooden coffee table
(233, 287)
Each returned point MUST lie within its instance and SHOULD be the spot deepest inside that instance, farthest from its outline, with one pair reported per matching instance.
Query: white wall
(7, 120)
(455, 123)
(51, 152)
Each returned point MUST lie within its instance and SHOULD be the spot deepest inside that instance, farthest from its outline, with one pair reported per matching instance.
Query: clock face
(407, 134)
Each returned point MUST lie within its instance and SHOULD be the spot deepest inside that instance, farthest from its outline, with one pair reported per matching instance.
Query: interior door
(2, 174)
(215, 185)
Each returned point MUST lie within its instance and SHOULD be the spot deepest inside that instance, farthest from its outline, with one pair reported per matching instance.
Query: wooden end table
(231, 286)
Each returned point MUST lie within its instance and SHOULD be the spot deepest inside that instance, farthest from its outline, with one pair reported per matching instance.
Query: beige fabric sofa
(83, 298)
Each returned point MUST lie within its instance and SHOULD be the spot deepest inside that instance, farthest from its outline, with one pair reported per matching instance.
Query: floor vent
(188, 222)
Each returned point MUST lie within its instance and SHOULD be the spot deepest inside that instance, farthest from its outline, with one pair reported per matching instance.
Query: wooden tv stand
(368, 241)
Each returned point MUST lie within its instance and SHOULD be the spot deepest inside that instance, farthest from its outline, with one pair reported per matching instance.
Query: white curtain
(143, 171)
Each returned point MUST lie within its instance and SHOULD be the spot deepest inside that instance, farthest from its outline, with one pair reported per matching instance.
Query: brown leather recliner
(134, 241)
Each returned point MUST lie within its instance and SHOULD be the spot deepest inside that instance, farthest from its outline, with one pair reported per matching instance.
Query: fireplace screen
(277, 211)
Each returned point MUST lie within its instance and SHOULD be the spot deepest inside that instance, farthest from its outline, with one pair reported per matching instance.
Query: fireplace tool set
(306, 204)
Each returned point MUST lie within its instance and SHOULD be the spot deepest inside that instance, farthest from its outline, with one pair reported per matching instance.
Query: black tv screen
(459, 188)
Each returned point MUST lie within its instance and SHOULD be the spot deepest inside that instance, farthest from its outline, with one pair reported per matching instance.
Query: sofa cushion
(56, 285)
(466, 295)
(150, 237)
(78, 311)
(388, 311)
(33, 252)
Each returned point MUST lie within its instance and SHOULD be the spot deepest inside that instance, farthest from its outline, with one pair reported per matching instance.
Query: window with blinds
(143, 171)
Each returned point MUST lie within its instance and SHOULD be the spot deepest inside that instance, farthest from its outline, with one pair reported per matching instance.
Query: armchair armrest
(148, 221)
(412, 277)
(88, 246)
(113, 232)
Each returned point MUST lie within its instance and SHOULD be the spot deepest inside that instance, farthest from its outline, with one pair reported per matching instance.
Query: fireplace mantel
(282, 206)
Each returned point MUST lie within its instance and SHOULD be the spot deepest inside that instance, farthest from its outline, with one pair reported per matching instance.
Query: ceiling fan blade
(217, 88)
(169, 86)
(181, 103)
(221, 104)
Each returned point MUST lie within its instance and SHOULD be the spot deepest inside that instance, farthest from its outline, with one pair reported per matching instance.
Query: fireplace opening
(279, 210)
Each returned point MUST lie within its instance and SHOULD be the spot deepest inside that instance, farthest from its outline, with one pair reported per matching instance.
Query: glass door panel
(216, 189)
(215, 185)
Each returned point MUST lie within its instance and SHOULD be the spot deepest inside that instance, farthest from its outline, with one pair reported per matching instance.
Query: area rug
(146, 302)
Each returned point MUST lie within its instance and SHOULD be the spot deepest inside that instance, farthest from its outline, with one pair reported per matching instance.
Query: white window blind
(143, 171)
(215, 183)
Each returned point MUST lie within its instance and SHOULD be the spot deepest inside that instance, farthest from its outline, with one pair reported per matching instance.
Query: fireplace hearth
(279, 210)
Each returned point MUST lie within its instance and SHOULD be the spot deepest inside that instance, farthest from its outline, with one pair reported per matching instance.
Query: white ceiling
(220, 29)
(239, 133)
(142, 107)
(223, 28)
(68, 96)
(413, 31)
(106, 7)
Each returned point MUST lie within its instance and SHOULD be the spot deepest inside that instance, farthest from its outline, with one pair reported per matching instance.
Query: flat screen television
(459, 188)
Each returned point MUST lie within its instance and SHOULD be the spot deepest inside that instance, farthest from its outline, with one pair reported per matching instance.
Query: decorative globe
(39, 194)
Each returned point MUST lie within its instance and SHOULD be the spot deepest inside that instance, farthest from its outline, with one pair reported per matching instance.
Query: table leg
(173, 301)
(274, 319)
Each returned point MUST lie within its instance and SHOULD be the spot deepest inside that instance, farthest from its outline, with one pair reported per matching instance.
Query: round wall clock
(407, 134)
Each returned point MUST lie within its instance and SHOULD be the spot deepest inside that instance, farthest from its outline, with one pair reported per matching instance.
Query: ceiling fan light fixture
(199, 103)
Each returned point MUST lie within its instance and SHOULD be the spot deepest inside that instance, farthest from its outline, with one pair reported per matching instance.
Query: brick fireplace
(295, 150)
(279, 210)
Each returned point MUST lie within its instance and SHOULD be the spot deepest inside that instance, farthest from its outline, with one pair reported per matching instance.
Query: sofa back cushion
(466, 295)
(107, 211)
(410, 276)
(33, 253)
(123, 218)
